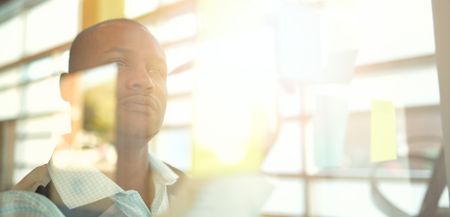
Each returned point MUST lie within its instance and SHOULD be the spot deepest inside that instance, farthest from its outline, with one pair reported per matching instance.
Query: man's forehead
(154, 54)
(118, 25)
(117, 35)
(121, 30)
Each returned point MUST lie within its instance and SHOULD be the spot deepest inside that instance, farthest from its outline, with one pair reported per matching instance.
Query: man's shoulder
(39, 176)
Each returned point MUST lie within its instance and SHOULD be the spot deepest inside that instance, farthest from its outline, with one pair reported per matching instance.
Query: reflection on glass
(233, 81)
(42, 97)
(13, 106)
(176, 28)
(55, 32)
(40, 68)
(93, 96)
(135, 8)
(98, 111)
(179, 112)
(180, 55)
(170, 139)
(10, 78)
(286, 198)
(181, 83)
(414, 38)
(288, 147)
(11, 38)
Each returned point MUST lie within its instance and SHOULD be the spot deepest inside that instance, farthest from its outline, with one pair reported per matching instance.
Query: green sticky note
(383, 131)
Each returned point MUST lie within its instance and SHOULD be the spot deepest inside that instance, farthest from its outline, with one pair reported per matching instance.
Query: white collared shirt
(79, 184)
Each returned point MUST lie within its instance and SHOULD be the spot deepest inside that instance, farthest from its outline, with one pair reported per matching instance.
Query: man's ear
(64, 86)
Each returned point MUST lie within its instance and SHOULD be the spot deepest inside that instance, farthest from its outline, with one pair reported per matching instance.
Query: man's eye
(156, 72)
(119, 62)
(152, 71)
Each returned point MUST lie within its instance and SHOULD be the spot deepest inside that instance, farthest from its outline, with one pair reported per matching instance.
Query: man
(141, 102)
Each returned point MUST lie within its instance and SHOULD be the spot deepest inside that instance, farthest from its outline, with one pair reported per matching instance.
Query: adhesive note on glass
(383, 131)
(330, 124)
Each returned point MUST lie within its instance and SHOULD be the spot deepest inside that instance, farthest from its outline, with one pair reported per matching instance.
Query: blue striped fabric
(26, 204)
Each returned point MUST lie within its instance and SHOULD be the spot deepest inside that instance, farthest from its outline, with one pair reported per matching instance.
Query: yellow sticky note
(383, 131)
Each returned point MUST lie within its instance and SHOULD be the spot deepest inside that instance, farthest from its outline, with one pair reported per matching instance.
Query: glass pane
(11, 39)
(289, 100)
(354, 198)
(12, 105)
(342, 198)
(178, 55)
(29, 153)
(175, 28)
(45, 27)
(238, 75)
(33, 151)
(40, 68)
(391, 36)
(10, 78)
(62, 62)
(178, 112)
(42, 97)
(399, 85)
(174, 146)
(35, 126)
(285, 156)
(135, 8)
(181, 83)
(287, 198)
(20, 172)
(180, 62)
(168, 2)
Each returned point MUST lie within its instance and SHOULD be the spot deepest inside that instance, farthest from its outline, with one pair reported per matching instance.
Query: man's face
(142, 73)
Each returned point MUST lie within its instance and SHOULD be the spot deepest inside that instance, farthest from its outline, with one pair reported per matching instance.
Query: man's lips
(137, 99)
(139, 103)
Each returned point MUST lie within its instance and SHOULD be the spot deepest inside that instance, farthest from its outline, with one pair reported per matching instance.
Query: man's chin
(138, 125)
(135, 132)
(137, 109)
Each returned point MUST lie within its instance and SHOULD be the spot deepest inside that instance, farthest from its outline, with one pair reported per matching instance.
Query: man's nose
(140, 80)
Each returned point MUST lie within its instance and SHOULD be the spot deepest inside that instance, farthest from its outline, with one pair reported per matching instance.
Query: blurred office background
(298, 76)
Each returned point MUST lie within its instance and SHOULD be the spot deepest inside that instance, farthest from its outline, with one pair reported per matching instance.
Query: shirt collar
(79, 184)
(163, 174)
